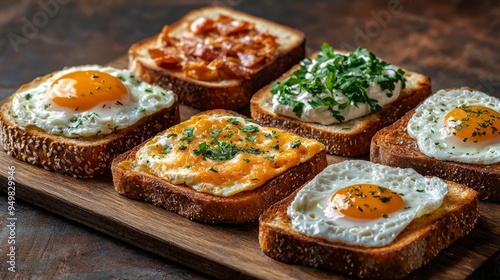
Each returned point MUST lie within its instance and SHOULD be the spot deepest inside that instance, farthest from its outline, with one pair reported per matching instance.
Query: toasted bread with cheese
(197, 168)
(395, 147)
(227, 92)
(415, 246)
(83, 156)
(350, 138)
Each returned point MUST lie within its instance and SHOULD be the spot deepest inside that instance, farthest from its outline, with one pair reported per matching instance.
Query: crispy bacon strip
(215, 49)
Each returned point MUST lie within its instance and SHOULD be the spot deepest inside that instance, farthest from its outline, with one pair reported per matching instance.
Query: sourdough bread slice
(350, 138)
(242, 207)
(393, 146)
(415, 246)
(230, 94)
(83, 157)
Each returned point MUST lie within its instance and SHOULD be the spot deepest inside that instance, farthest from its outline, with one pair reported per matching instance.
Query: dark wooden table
(455, 43)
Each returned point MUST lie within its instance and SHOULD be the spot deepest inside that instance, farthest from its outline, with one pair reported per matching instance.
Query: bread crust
(232, 94)
(83, 157)
(415, 246)
(351, 138)
(393, 146)
(240, 208)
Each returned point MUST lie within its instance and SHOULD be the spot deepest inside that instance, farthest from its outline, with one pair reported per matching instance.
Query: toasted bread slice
(242, 207)
(350, 138)
(232, 94)
(393, 146)
(415, 246)
(83, 157)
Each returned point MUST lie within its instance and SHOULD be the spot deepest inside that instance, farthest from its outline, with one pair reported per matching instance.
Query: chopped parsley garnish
(351, 74)
(171, 135)
(385, 199)
(270, 158)
(188, 134)
(212, 169)
(420, 190)
(252, 150)
(182, 147)
(166, 150)
(148, 90)
(250, 128)
(215, 133)
(142, 110)
(218, 152)
(251, 138)
(221, 150)
(233, 121)
(28, 96)
(296, 144)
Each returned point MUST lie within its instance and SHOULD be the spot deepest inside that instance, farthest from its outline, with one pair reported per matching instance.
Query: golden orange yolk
(84, 90)
(473, 124)
(366, 201)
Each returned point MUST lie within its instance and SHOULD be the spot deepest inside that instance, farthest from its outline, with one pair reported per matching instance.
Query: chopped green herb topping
(250, 128)
(352, 74)
(251, 138)
(188, 134)
(166, 150)
(233, 121)
(215, 133)
(296, 144)
(212, 169)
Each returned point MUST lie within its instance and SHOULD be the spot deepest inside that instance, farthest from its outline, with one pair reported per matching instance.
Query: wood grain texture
(220, 251)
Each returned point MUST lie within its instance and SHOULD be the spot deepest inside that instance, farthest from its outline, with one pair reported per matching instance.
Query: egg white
(310, 214)
(424, 126)
(31, 107)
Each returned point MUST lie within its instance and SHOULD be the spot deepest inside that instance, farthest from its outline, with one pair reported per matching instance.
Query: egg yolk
(84, 90)
(473, 124)
(366, 201)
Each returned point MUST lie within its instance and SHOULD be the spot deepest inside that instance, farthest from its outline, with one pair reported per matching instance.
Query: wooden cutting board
(221, 251)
